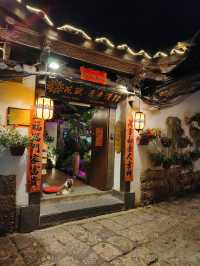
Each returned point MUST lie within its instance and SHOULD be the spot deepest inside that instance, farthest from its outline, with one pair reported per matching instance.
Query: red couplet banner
(35, 155)
(129, 149)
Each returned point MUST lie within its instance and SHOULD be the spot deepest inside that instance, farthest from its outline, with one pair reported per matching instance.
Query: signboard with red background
(95, 76)
(129, 149)
(35, 155)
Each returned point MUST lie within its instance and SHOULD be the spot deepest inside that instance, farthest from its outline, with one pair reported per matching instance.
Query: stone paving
(158, 235)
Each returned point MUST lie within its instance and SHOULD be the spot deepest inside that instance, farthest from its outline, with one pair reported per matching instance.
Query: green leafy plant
(166, 142)
(176, 159)
(12, 137)
(186, 161)
(167, 163)
(148, 135)
(184, 142)
(157, 158)
(195, 154)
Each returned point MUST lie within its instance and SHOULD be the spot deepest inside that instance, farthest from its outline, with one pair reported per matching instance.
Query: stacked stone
(7, 203)
(158, 185)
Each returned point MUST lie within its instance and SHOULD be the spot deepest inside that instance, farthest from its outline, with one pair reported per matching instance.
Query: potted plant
(167, 163)
(157, 158)
(184, 142)
(3, 138)
(149, 135)
(12, 139)
(166, 142)
(195, 154)
(144, 139)
(186, 161)
(16, 142)
(176, 159)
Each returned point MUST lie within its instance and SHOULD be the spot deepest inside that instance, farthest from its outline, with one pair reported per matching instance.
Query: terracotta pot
(17, 150)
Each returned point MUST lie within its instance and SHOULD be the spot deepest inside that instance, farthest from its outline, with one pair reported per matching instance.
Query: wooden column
(111, 148)
(124, 186)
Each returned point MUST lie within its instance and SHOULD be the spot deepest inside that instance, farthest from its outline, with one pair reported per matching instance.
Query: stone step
(61, 212)
(47, 199)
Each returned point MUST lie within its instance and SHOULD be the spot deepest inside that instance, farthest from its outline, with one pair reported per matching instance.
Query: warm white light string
(179, 49)
(75, 30)
(105, 41)
(40, 11)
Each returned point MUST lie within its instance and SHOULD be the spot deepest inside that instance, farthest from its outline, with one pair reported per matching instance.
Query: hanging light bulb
(44, 108)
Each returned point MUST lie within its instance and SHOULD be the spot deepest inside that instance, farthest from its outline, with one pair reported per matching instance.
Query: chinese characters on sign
(129, 149)
(95, 76)
(36, 149)
(100, 96)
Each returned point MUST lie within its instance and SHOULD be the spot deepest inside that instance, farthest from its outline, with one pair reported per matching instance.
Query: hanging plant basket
(166, 142)
(144, 140)
(157, 159)
(17, 150)
(184, 142)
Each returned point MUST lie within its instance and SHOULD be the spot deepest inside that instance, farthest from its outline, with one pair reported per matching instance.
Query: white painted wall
(20, 95)
(157, 119)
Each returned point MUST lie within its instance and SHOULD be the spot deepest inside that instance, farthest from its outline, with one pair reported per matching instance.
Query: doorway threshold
(66, 209)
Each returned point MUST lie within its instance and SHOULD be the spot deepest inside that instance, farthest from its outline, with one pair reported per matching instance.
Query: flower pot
(166, 142)
(17, 150)
(144, 141)
(184, 142)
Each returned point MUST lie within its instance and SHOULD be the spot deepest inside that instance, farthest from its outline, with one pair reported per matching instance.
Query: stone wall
(158, 185)
(7, 203)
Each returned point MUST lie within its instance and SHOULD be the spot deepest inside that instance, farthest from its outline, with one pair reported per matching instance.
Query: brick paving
(159, 235)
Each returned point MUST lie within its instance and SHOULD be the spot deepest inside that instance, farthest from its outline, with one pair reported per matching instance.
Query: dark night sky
(150, 24)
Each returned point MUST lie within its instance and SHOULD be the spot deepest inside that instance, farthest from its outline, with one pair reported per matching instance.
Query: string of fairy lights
(179, 49)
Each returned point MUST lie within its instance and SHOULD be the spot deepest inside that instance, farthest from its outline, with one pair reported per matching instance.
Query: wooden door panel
(99, 161)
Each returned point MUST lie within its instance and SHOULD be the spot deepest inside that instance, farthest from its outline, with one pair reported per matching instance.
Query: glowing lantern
(44, 108)
(139, 121)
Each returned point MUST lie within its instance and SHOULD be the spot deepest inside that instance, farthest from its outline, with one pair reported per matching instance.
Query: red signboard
(129, 149)
(99, 137)
(95, 76)
(35, 153)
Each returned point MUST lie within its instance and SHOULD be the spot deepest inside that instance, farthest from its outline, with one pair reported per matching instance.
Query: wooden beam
(29, 38)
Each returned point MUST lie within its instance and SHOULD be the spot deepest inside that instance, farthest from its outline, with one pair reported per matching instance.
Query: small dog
(67, 187)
